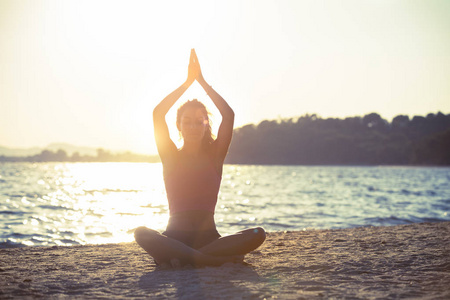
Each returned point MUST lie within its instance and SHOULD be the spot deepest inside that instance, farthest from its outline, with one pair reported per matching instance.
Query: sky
(89, 73)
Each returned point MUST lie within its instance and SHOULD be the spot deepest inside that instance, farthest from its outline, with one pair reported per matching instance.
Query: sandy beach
(406, 261)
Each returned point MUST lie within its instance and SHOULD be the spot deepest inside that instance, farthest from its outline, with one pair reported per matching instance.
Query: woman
(192, 176)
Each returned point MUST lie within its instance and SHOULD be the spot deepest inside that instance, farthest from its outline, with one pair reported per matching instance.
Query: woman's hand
(191, 69)
(197, 67)
(194, 70)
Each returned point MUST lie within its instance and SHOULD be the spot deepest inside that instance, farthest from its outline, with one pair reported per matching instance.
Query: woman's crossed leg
(230, 248)
(240, 243)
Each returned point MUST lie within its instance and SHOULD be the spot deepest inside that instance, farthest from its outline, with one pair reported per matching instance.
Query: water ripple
(71, 204)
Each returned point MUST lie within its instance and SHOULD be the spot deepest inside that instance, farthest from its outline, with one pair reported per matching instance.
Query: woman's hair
(209, 137)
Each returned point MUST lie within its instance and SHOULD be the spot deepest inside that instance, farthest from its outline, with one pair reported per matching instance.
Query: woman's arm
(164, 143)
(225, 132)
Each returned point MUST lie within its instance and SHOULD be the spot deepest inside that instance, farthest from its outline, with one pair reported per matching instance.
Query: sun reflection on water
(96, 203)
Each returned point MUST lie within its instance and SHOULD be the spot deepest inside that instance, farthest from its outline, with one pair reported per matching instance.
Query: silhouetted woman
(192, 176)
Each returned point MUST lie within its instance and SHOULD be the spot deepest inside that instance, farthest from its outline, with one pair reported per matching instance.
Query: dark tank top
(191, 189)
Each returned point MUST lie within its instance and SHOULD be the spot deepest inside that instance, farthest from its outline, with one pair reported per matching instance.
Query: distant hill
(19, 152)
(69, 149)
(367, 140)
(69, 153)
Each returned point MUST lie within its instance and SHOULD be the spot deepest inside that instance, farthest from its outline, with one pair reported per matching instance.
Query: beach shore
(405, 261)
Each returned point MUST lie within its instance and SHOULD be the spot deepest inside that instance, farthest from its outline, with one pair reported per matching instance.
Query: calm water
(79, 203)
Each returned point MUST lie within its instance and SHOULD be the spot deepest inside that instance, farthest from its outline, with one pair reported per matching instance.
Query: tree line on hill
(311, 140)
(62, 156)
(367, 140)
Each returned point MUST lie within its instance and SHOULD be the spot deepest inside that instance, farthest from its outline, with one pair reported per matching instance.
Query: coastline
(403, 261)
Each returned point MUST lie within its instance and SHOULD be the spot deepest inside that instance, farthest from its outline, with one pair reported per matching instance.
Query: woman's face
(193, 124)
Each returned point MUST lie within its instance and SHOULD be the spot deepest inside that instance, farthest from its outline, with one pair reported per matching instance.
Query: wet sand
(406, 261)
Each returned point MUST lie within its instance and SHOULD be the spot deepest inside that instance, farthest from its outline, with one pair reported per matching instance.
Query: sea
(46, 204)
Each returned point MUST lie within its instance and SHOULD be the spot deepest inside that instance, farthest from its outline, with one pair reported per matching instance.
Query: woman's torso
(192, 184)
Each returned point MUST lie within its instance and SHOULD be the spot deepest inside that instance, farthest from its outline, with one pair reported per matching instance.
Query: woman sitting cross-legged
(192, 176)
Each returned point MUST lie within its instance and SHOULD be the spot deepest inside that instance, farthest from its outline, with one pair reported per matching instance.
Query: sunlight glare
(105, 202)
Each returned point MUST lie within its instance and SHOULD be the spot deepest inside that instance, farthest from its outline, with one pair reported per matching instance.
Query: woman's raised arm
(164, 143)
(225, 132)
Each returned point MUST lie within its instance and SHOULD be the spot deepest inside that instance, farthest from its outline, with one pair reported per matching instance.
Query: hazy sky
(90, 72)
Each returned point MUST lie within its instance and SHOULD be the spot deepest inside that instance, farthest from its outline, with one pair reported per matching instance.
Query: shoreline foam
(404, 261)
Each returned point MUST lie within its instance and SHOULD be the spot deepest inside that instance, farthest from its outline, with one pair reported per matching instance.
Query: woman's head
(193, 123)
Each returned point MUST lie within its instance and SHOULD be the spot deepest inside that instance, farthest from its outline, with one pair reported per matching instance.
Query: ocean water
(80, 203)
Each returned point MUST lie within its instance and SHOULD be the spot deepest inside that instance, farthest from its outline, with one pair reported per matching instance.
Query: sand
(406, 261)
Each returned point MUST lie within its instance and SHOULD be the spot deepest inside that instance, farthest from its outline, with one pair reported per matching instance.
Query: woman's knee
(260, 233)
(143, 233)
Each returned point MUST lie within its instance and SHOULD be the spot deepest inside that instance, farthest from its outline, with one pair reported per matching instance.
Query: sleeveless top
(192, 189)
